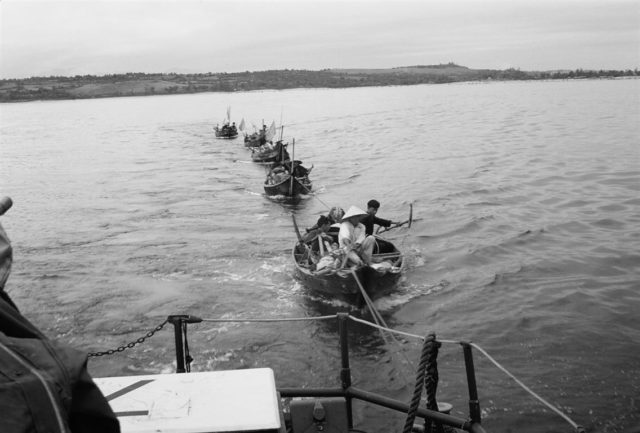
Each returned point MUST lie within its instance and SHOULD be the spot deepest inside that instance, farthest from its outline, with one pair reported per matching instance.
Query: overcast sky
(49, 37)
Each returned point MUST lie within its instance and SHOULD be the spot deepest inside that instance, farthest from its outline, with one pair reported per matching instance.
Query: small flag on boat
(241, 126)
(229, 112)
(271, 132)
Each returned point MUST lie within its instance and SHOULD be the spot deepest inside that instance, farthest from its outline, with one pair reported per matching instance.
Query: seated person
(318, 231)
(353, 239)
(371, 218)
(335, 215)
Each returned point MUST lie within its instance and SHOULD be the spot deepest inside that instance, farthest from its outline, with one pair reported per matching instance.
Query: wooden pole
(293, 154)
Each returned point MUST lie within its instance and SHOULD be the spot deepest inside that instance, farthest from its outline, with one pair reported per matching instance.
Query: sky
(79, 37)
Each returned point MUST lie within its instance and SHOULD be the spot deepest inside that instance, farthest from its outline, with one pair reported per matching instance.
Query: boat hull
(269, 154)
(344, 286)
(254, 140)
(287, 189)
(225, 134)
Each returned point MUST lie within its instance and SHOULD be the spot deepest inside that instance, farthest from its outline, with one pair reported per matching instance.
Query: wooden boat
(254, 140)
(345, 284)
(280, 182)
(261, 137)
(270, 153)
(226, 131)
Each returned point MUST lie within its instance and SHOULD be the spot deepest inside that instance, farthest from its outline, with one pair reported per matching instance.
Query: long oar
(300, 241)
(409, 221)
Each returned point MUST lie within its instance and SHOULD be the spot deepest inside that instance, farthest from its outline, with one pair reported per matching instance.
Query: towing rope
(578, 428)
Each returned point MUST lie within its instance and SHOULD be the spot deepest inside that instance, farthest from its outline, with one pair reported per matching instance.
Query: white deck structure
(219, 401)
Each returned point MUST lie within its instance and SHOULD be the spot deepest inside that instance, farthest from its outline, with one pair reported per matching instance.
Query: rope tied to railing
(427, 378)
(431, 381)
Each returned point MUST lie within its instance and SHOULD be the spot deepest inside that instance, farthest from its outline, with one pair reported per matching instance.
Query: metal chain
(129, 345)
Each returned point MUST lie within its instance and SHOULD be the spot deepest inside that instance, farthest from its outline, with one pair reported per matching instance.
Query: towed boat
(326, 277)
(254, 140)
(280, 180)
(270, 153)
(226, 131)
(262, 137)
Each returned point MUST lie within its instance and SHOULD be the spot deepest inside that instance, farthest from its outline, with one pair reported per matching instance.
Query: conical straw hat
(353, 211)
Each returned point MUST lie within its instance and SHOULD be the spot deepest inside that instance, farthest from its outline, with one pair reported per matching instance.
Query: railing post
(176, 321)
(345, 371)
(474, 403)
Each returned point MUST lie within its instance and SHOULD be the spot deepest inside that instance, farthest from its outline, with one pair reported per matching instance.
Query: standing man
(370, 219)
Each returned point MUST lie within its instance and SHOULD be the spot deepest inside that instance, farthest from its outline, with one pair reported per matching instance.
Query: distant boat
(254, 140)
(270, 152)
(261, 137)
(280, 182)
(228, 129)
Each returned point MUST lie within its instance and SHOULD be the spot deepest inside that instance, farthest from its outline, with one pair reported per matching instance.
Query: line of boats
(286, 176)
(319, 263)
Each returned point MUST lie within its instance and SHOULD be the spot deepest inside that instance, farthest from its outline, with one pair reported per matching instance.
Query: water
(526, 196)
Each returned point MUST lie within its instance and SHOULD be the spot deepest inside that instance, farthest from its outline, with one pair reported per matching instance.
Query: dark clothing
(370, 220)
(311, 235)
(44, 385)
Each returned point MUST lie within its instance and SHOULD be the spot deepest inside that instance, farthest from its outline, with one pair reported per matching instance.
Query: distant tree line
(111, 85)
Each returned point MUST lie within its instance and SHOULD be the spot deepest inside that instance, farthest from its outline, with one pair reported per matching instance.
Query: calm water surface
(527, 199)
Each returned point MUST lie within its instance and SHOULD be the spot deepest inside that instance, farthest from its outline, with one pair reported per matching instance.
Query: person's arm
(382, 222)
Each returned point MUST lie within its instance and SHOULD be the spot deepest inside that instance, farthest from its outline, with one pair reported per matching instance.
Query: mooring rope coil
(427, 357)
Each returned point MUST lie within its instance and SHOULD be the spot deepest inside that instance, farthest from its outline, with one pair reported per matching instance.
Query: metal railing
(346, 389)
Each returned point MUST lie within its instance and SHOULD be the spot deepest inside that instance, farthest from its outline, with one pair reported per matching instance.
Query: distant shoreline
(142, 84)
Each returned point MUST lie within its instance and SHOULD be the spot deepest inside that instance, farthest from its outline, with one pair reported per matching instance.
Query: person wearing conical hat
(353, 238)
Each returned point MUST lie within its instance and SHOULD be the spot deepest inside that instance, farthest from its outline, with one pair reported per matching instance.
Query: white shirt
(350, 235)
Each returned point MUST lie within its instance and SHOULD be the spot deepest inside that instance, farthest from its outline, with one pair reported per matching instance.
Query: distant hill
(137, 84)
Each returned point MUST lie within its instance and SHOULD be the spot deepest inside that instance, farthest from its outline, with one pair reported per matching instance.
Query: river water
(526, 199)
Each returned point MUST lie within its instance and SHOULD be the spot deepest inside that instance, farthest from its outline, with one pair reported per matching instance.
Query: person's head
(323, 223)
(354, 215)
(336, 214)
(373, 206)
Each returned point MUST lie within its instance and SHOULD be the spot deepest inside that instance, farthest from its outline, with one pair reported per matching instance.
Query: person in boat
(263, 135)
(319, 230)
(277, 174)
(45, 384)
(371, 219)
(353, 239)
(335, 215)
(298, 170)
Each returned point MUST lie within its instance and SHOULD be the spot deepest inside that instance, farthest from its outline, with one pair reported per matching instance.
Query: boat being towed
(282, 180)
(270, 152)
(323, 272)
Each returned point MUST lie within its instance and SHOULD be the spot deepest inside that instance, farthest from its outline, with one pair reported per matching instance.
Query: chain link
(129, 345)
